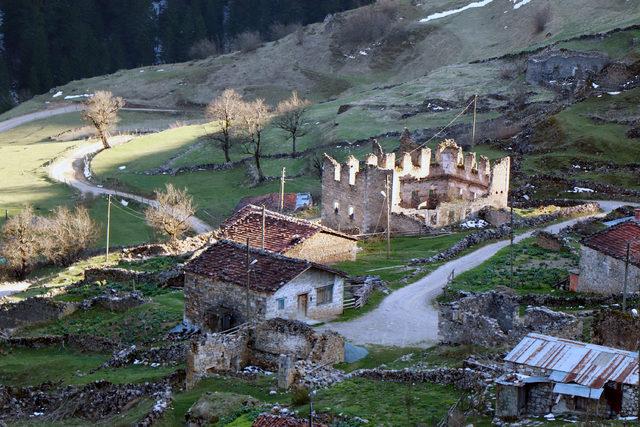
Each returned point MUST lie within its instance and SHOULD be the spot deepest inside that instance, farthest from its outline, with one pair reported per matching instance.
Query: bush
(278, 30)
(299, 396)
(363, 26)
(541, 19)
(248, 41)
(204, 49)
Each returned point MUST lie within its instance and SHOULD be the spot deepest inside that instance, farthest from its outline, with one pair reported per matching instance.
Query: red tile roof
(270, 201)
(282, 232)
(269, 420)
(613, 241)
(226, 261)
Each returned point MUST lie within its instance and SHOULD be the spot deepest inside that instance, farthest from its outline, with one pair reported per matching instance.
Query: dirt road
(18, 121)
(407, 317)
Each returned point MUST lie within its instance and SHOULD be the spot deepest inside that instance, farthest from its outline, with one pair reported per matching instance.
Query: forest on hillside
(44, 43)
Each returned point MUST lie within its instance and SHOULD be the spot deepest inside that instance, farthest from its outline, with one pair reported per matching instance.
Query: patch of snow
(87, 169)
(363, 53)
(84, 95)
(124, 203)
(613, 93)
(581, 190)
(38, 414)
(519, 4)
(57, 94)
(439, 15)
(473, 223)
(122, 167)
(526, 197)
(142, 71)
(550, 417)
(595, 86)
(160, 70)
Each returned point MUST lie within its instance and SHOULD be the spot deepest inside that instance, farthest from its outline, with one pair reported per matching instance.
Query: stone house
(292, 202)
(424, 192)
(289, 236)
(603, 259)
(560, 376)
(217, 297)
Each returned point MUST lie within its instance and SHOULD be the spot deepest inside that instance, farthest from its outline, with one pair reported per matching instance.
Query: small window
(351, 213)
(325, 295)
(336, 207)
(280, 302)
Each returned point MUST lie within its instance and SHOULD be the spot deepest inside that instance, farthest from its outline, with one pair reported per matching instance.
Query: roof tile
(613, 241)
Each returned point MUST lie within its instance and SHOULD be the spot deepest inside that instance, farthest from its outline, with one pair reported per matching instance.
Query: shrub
(248, 41)
(278, 30)
(299, 396)
(541, 19)
(204, 48)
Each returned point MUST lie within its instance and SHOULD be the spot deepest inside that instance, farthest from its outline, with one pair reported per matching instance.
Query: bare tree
(254, 117)
(171, 212)
(21, 242)
(248, 41)
(540, 19)
(101, 110)
(226, 110)
(290, 116)
(364, 25)
(68, 233)
(278, 30)
(204, 48)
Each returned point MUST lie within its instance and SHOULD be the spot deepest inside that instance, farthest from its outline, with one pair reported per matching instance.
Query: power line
(136, 215)
(445, 127)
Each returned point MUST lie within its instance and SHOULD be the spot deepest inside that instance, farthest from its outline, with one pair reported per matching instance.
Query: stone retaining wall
(32, 311)
(170, 278)
(465, 379)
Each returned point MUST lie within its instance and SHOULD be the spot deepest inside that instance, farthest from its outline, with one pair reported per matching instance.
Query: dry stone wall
(32, 311)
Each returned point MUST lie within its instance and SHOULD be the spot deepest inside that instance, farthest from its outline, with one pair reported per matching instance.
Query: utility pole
(264, 225)
(388, 218)
(475, 109)
(108, 227)
(626, 277)
(282, 179)
(248, 277)
(511, 244)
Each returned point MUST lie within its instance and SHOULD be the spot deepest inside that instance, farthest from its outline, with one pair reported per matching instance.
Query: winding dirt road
(69, 168)
(408, 317)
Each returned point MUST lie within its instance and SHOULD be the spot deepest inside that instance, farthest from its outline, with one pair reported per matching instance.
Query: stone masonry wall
(325, 248)
(211, 353)
(629, 401)
(32, 311)
(204, 296)
(604, 274)
(540, 399)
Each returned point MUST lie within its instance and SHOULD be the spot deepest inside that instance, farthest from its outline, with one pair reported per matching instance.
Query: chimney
(637, 214)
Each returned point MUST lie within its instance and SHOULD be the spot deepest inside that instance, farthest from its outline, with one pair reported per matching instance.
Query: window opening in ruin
(325, 295)
(351, 213)
(452, 216)
(336, 207)
(280, 302)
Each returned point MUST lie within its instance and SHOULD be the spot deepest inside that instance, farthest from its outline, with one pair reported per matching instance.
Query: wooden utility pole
(388, 196)
(248, 278)
(511, 244)
(475, 109)
(282, 179)
(626, 277)
(106, 260)
(264, 225)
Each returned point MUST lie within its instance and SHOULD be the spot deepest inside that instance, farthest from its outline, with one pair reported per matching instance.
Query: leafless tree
(101, 111)
(171, 212)
(68, 233)
(21, 242)
(225, 109)
(204, 48)
(254, 117)
(278, 30)
(364, 25)
(248, 41)
(290, 116)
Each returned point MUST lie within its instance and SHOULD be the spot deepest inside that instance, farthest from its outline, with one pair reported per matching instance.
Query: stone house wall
(307, 283)
(540, 398)
(629, 401)
(604, 274)
(204, 296)
(212, 353)
(325, 248)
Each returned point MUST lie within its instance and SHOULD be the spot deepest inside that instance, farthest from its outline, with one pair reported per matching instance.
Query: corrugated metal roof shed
(576, 362)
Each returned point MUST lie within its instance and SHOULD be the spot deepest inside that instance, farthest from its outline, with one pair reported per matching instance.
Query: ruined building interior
(425, 192)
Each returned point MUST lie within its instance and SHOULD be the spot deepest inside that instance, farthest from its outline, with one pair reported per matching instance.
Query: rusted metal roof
(576, 362)
(613, 241)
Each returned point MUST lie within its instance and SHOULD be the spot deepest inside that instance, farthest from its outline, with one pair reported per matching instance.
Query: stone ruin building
(425, 191)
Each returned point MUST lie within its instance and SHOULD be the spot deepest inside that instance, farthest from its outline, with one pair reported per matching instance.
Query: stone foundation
(33, 311)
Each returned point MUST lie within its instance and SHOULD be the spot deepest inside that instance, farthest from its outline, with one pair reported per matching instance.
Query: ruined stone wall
(615, 328)
(32, 311)
(560, 66)
(325, 248)
(629, 401)
(540, 398)
(212, 353)
(173, 277)
(204, 296)
(603, 274)
(307, 283)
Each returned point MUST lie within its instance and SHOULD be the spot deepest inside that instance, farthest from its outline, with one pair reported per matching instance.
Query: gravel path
(407, 317)
(18, 121)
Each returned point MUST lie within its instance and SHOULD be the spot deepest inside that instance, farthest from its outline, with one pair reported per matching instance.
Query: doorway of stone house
(302, 305)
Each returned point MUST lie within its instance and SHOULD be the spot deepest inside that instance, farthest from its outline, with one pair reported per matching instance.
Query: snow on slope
(517, 5)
